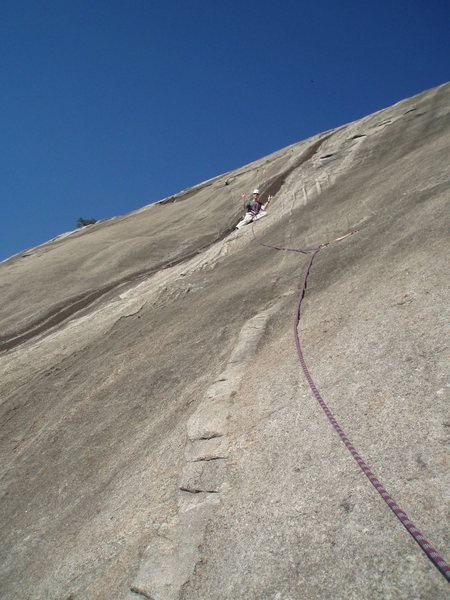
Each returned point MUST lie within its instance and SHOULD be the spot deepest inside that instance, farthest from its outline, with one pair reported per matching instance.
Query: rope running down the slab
(432, 554)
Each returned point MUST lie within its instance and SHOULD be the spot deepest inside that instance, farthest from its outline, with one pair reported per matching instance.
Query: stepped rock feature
(173, 555)
(158, 438)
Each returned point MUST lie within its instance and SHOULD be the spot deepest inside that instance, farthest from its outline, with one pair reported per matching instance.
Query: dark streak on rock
(210, 458)
(197, 491)
(274, 185)
(141, 592)
(62, 312)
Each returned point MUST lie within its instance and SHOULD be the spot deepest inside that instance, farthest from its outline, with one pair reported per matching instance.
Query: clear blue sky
(108, 105)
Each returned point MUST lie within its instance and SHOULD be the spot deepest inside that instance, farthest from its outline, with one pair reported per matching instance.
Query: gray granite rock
(158, 437)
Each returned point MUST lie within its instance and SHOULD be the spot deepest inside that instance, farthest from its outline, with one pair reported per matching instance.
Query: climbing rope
(432, 554)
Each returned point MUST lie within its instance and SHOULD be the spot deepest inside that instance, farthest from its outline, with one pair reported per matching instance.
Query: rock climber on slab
(253, 208)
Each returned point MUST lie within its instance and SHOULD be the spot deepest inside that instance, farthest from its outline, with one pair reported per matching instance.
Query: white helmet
(256, 191)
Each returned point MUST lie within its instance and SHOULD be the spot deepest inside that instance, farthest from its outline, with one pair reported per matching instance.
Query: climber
(253, 209)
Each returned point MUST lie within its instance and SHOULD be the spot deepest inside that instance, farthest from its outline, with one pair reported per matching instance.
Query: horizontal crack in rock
(197, 491)
(210, 437)
(209, 458)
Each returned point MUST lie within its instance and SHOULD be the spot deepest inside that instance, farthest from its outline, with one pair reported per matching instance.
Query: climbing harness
(432, 554)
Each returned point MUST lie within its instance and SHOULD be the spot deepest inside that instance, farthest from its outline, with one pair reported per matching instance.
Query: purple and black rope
(432, 554)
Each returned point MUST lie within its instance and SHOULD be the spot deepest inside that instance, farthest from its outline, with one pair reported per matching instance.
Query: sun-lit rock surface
(158, 438)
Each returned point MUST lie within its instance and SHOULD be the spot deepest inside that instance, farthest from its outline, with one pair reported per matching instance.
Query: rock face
(158, 437)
